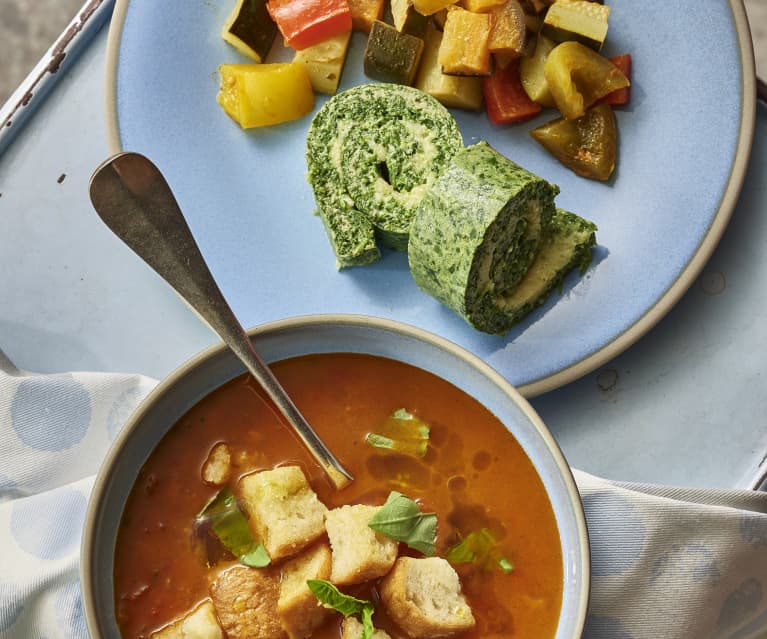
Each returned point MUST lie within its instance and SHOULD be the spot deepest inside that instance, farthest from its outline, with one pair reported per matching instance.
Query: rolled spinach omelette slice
(373, 152)
(566, 244)
(479, 231)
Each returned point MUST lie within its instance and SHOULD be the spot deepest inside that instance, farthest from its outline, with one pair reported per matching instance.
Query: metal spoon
(133, 199)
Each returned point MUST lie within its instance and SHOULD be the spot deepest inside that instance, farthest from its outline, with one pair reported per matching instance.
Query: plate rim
(684, 280)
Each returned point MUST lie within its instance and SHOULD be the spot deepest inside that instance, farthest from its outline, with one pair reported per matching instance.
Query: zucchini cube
(391, 56)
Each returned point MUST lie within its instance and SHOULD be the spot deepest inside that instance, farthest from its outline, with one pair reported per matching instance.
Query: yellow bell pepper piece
(263, 94)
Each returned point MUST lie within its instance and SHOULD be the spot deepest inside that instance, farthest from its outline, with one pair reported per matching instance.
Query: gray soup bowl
(195, 379)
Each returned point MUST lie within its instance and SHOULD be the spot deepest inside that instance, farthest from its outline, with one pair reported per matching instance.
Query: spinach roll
(488, 242)
(373, 152)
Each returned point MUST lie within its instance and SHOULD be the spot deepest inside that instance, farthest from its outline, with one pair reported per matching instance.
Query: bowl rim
(169, 383)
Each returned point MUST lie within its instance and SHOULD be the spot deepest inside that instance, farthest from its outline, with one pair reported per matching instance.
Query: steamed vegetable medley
(512, 58)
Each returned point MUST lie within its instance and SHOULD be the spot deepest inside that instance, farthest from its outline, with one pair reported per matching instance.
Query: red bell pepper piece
(621, 96)
(505, 97)
(304, 23)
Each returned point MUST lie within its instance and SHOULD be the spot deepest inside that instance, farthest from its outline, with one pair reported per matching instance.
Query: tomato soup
(474, 476)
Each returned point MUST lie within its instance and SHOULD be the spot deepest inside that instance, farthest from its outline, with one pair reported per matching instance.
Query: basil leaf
(231, 528)
(505, 565)
(480, 548)
(400, 518)
(347, 605)
(401, 432)
(367, 622)
(331, 596)
(256, 558)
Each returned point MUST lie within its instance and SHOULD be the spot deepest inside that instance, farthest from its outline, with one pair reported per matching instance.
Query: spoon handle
(133, 199)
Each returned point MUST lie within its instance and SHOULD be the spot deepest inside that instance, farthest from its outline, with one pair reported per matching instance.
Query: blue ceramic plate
(683, 149)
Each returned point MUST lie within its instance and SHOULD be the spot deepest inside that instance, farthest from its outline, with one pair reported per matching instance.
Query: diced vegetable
(250, 29)
(365, 13)
(307, 22)
(482, 6)
(622, 96)
(579, 20)
(508, 32)
(391, 56)
(586, 145)
(531, 72)
(430, 7)
(465, 43)
(454, 91)
(262, 94)
(505, 96)
(407, 19)
(578, 76)
(324, 62)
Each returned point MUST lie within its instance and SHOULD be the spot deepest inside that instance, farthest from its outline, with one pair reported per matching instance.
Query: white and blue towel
(667, 563)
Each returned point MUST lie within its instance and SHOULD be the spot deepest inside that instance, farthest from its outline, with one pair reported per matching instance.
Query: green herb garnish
(231, 528)
(256, 558)
(400, 518)
(401, 432)
(347, 605)
(480, 548)
(505, 565)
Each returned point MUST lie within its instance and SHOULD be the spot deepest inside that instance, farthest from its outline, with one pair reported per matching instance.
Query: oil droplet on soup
(474, 476)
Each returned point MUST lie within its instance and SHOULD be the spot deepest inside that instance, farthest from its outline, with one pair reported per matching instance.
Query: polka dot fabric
(54, 433)
(667, 563)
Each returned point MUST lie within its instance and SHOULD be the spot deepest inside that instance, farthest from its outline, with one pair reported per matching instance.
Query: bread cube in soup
(351, 628)
(245, 600)
(200, 623)
(284, 512)
(359, 552)
(423, 597)
(301, 612)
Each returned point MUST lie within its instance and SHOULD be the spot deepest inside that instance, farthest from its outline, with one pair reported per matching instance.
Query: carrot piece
(622, 96)
(505, 98)
(304, 23)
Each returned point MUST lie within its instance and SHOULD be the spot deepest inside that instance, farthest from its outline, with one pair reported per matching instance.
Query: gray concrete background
(29, 27)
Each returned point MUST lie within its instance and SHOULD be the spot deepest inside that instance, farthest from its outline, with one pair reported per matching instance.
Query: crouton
(351, 628)
(200, 623)
(301, 612)
(218, 466)
(359, 552)
(245, 600)
(423, 597)
(284, 512)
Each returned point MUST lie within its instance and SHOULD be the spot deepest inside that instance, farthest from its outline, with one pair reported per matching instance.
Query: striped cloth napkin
(668, 563)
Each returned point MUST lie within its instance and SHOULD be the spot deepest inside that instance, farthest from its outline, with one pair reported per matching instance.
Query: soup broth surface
(474, 476)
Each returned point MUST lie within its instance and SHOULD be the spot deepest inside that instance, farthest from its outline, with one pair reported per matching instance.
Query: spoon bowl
(133, 199)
